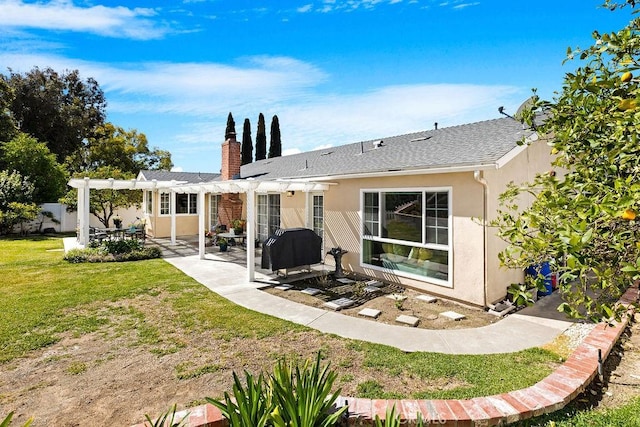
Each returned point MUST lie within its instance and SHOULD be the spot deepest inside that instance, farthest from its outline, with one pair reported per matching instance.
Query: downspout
(477, 175)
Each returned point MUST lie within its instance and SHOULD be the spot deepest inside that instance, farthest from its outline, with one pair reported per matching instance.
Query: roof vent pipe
(435, 125)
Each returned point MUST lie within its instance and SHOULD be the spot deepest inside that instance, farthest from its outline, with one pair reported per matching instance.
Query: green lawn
(625, 416)
(43, 296)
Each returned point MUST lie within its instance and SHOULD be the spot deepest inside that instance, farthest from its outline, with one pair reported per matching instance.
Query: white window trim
(448, 248)
(198, 207)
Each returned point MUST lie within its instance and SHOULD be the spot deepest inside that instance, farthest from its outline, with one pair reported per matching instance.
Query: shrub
(121, 246)
(293, 396)
(84, 255)
(110, 251)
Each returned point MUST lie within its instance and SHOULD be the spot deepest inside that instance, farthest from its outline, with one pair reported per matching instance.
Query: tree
(583, 221)
(275, 145)
(247, 143)
(261, 139)
(230, 131)
(104, 203)
(16, 201)
(7, 124)
(60, 110)
(127, 151)
(34, 161)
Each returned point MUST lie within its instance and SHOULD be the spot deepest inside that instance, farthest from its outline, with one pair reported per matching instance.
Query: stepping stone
(311, 291)
(340, 303)
(371, 289)
(370, 312)
(453, 315)
(283, 287)
(407, 320)
(397, 297)
(427, 298)
(346, 281)
(431, 317)
(375, 283)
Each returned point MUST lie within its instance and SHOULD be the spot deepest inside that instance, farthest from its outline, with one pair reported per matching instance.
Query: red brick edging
(548, 395)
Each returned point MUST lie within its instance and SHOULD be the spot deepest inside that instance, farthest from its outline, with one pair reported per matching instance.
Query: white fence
(68, 221)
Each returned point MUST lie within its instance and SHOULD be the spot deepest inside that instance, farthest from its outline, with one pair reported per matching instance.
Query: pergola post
(172, 209)
(251, 234)
(83, 212)
(201, 217)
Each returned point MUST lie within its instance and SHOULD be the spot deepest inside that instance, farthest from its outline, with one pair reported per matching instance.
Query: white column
(308, 215)
(172, 209)
(83, 212)
(250, 242)
(201, 217)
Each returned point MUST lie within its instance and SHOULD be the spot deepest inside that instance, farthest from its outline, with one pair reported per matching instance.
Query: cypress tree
(247, 143)
(231, 128)
(275, 145)
(261, 139)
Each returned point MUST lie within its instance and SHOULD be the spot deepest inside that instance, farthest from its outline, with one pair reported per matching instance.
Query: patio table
(241, 237)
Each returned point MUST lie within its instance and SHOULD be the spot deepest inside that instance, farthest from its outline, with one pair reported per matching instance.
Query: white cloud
(465, 5)
(190, 102)
(306, 8)
(120, 21)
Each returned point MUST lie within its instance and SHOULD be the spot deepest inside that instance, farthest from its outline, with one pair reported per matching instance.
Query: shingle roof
(457, 146)
(189, 177)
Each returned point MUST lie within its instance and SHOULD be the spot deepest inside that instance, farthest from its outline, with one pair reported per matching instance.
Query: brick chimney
(231, 158)
(230, 204)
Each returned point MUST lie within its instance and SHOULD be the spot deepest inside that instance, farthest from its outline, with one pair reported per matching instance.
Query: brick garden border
(548, 395)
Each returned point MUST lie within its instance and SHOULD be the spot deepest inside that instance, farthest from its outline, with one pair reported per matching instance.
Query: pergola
(248, 186)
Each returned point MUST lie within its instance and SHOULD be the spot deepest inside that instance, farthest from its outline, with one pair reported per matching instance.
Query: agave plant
(167, 419)
(303, 396)
(252, 405)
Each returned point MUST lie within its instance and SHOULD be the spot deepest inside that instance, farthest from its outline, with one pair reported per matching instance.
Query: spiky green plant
(392, 419)
(167, 419)
(252, 405)
(304, 395)
(7, 421)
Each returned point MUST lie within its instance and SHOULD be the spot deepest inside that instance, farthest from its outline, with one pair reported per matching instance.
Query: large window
(268, 215)
(214, 207)
(408, 231)
(186, 203)
(148, 202)
(318, 215)
(165, 203)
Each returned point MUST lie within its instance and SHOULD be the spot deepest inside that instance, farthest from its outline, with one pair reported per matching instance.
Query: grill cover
(290, 248)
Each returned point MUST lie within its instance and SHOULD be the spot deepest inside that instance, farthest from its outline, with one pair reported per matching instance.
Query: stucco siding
(523, 168)
(343, 223)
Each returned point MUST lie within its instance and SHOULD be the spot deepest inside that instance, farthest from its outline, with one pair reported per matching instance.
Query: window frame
(165, 204)
(379, 222)
(192, 204)
(269, 214)
(148, 202)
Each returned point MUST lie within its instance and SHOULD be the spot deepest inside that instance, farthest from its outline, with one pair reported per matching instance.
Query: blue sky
(334, 71)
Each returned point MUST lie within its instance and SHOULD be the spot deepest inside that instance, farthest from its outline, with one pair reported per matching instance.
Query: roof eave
(403, 172)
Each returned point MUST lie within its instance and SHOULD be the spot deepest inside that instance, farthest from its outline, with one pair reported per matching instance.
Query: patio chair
(97, 234)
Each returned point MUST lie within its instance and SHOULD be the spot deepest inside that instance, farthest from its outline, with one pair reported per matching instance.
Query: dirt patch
(621, 382)
(405, 302)
(138, 361)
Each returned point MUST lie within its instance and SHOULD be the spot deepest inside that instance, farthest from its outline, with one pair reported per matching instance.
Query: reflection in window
(407, 232)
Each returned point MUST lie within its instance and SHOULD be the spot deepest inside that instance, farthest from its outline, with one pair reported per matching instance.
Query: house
(411, 209)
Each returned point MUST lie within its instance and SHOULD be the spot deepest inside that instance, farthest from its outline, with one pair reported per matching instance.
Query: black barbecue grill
(291, 248)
